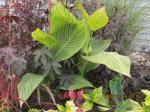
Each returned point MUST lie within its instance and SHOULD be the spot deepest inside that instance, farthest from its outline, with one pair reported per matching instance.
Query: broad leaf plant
(70, 37)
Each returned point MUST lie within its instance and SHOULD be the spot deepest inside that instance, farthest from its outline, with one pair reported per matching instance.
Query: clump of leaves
(125, 21)
(70, 107)
(95, 97)
(18, 20)
(42, 59)
(127, 105)
(70, 37)
(12, 64)
(116, 89)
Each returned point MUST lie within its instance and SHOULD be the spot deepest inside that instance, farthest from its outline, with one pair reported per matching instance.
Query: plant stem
(38, 96)
(50, 93)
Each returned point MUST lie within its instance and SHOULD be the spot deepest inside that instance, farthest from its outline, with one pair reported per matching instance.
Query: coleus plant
(69, 36)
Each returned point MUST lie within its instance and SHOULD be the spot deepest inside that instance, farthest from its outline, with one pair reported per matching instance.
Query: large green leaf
(73, 82)
(116, 89)
(44, 38)
(59, 17)
(97, 96)
(129, 106)
(71, 39)
(112, 60)
(28, 84)
(70, 33)
(98, 19)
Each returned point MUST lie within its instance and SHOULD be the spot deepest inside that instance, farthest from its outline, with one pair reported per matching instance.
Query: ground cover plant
(55, 68)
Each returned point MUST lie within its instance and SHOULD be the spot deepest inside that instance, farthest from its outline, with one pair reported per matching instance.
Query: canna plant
(71, 39)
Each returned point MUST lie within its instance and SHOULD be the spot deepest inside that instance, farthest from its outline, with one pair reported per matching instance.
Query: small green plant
(71, 39)
(116, 89)
(95, 97)
(130, 105)
(69, 107)
(127, 105)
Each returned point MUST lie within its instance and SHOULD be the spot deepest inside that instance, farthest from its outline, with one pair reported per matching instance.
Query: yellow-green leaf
(129, 106)
(112, 60)
(59, 17)
(28, 84)
(97, 96)
(71, 39)
(87, 105)
(44, 38)
(98, 19)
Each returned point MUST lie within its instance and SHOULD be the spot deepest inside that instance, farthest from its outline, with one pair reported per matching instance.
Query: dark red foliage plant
(8, 91)
(18, 18)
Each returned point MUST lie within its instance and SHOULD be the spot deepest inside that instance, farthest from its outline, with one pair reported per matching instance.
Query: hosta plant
(71, 39)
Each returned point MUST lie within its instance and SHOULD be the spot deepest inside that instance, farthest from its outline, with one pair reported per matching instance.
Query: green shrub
(68, 38)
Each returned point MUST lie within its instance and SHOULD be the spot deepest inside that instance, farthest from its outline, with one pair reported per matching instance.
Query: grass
(135, 18)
